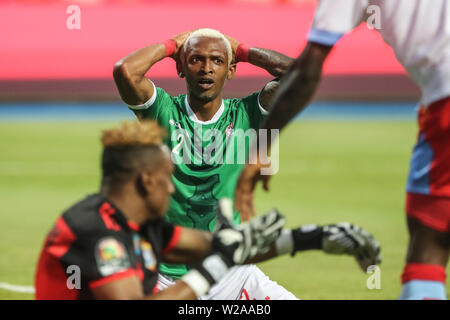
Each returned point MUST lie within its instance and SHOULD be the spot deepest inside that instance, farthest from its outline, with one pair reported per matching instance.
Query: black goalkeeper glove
(346, 238)
(258, 234)
(340, 238)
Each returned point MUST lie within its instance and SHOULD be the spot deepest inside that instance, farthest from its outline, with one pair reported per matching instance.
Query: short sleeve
(101, 259)
(334, 18)
(160, 102)
(170, 236)
(256, 113)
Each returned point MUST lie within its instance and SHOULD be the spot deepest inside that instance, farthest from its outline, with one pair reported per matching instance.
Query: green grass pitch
(329, 172)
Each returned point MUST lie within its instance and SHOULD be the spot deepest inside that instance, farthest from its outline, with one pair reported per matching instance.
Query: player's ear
(180, 72)
(145, 182)
(231, 71)
(179, 64)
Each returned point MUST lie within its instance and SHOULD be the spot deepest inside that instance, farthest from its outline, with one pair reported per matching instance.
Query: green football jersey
(208, 156)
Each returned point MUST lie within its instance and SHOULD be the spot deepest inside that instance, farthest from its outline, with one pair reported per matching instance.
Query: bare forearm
(139, 62)
(193, 247)
(295, 91)
(129, 73)
(272, 253)
(297, 87)
(276, 63)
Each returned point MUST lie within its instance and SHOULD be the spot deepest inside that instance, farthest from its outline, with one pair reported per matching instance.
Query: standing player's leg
(428, 206)
(428, 252)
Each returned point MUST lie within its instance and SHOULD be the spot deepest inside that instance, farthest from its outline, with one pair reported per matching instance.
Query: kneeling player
(202, 120)
(110, 245)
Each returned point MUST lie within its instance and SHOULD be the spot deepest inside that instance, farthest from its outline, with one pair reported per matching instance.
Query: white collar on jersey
(194, 118)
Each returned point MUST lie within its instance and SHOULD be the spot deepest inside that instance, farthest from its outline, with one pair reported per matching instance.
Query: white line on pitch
(16, 288)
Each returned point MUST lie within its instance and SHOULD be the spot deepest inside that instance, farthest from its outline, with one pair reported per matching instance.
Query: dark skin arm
(267, 94)
(295, 92)
(298, 86)
(129, 73)
(131, 289)
(192, 247)
(272, 253)
(275, 63)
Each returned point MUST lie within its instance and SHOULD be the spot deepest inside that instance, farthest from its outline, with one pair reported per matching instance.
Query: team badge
(174, 123)
(111, 256)
(229, 130)
(149, 257)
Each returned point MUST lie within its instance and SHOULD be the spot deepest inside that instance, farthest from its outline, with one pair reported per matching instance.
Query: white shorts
(245, 282)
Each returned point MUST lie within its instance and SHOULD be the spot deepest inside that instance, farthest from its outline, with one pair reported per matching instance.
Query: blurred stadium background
(345, 159)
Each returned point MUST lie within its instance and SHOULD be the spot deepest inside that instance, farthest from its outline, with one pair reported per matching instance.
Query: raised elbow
(121, 71)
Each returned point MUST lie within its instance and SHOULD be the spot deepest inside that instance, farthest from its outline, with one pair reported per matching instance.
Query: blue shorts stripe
(419, 173)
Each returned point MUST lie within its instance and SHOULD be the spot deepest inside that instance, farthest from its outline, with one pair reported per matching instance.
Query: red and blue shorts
(428, 198)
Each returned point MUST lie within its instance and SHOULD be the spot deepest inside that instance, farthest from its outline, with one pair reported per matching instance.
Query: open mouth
(206, 83)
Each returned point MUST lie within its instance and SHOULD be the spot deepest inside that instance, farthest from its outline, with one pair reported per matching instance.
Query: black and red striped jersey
(95, 242)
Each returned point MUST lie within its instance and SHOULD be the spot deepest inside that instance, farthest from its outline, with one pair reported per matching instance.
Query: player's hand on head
(234, 45)
(346, 238)
(179, 42)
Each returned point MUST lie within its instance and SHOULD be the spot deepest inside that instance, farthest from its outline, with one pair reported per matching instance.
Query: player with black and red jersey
(95, 236)
(110, 245)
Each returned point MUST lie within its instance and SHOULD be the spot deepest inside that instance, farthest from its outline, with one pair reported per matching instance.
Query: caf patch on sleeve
(111, 256)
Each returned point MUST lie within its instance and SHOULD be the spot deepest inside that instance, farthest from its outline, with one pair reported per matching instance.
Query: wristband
(308, 237)
(209, 272)
(198, 283)
(170, 47)
(242, 52)
(285, 242)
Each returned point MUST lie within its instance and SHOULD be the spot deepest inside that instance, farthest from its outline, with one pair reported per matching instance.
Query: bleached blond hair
(131, 147)
(211, 33)
(137, 133)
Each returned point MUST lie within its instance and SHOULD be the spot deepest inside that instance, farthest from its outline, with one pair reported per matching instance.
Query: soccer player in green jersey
(201, 126)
